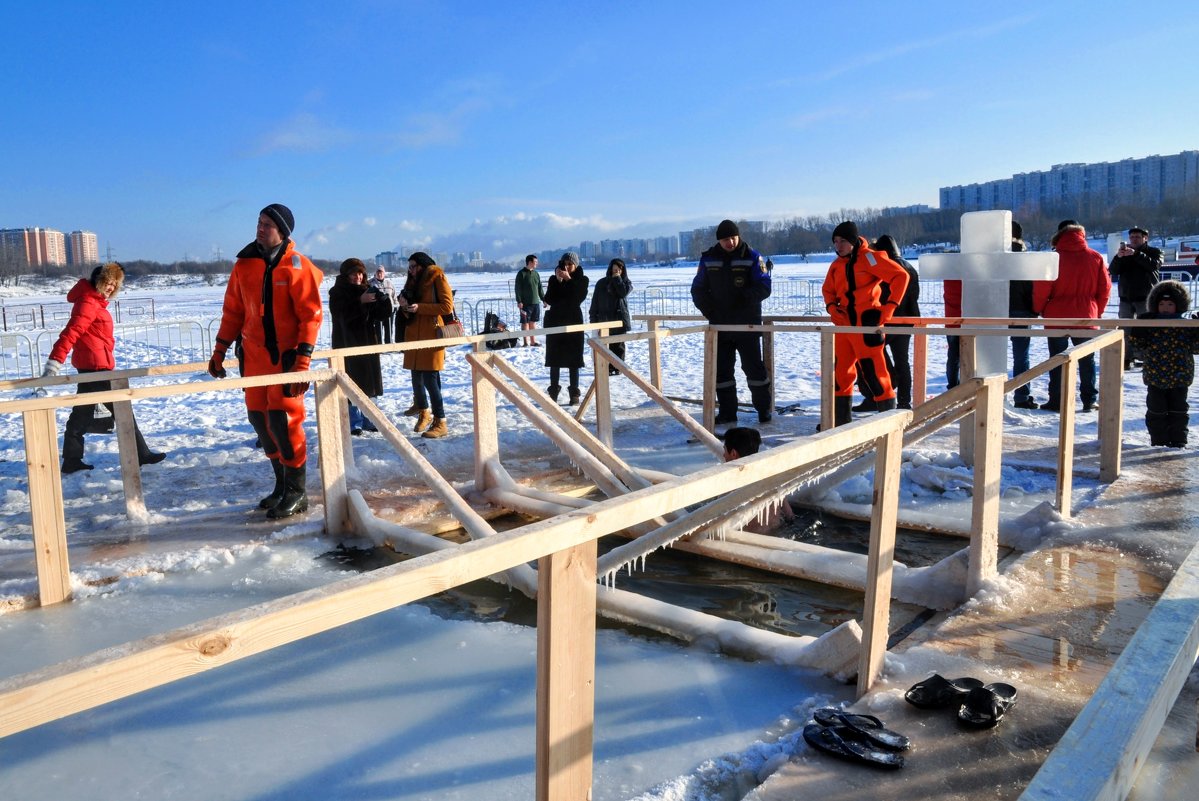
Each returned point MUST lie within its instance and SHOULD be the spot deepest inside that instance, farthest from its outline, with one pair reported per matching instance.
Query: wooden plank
(603, 393)
(131, 469)
(828, 378)
(337, 362)
(565, 673)
(709, 416)
(487, 435)
(1099, 756)
(655, 354)
(1065, 445)
(969, 358)
(880, 562)
(331, 431)
(988, 462)
(919, 368)
(45, 506)
(1111, 410)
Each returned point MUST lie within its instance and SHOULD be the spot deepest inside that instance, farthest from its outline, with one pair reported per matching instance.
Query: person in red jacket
(273, 305)
(88, 337)
(1080, 290)
(853, 296)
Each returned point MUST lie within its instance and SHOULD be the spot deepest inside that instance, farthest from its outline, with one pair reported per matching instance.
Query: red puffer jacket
(88, 334)
(1082, 286)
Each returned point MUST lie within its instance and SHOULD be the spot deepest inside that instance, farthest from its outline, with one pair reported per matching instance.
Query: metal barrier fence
(17, 357)
(37, 316)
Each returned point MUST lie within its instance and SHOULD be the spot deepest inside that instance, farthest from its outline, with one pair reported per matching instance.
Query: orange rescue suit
(852, 294)
(269, 341)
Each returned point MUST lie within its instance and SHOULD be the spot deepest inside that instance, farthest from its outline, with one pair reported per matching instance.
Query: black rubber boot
(885, 405)
(295, 496)
(272, 500)
(842, 410)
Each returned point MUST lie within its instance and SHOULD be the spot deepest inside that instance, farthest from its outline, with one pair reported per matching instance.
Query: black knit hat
(848, 231)
(726, 229)
(282, 218)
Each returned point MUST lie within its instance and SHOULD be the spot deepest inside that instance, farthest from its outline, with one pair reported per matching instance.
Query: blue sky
(510, 127)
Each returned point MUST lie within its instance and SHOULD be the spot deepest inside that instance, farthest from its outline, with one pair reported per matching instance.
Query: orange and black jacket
(854, 285)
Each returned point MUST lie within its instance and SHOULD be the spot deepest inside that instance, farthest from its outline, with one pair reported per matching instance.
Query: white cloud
(369, 222)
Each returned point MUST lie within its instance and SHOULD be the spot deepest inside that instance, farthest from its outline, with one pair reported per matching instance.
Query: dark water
(755, 597)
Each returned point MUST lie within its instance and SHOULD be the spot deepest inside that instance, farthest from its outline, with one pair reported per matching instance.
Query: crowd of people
(272, 311)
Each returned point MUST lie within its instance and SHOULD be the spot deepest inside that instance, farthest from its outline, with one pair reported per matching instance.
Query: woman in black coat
(350, 306)
(564, 295)
(609, 302)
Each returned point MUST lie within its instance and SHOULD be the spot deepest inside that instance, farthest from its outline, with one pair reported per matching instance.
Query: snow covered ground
(407, 704)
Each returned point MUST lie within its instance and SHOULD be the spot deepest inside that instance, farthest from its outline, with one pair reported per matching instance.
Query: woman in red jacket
(88, 337)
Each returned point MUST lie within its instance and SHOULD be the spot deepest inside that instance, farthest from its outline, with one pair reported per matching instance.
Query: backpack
(492, 324)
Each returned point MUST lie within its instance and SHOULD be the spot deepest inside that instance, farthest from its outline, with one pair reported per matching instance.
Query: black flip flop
(867, 726)
(844, 742)
(985, 706)
(937, 691)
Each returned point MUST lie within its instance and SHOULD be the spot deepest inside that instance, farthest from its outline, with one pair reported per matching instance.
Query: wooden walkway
(1060, 620)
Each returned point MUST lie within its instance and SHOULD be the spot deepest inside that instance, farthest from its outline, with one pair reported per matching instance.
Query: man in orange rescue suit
(273, 303)
(852, 291)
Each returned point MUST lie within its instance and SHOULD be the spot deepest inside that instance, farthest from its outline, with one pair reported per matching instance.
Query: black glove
(296, 361)
(872, 317)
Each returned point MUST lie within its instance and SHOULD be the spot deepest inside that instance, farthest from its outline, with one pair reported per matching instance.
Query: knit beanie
(726, 229)
(282, 218)
(848, 231)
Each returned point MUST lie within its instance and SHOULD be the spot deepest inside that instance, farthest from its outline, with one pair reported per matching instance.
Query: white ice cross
(985, 266)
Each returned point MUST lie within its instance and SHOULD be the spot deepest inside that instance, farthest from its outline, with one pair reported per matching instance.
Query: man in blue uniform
(728, 289)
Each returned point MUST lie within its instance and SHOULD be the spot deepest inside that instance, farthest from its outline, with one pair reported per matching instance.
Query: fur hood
(1174, 290)
(105, 272)
(1070, 237)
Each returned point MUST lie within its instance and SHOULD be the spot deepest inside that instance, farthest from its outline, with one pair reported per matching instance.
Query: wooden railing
(564, 546)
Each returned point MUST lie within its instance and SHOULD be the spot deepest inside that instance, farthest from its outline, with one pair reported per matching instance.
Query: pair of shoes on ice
(1027, 403)
(979, 705)
(857, 738)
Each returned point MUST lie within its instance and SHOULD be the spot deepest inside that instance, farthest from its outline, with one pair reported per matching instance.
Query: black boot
(574, 396)
(553, 391)
(884, 405)
(272, 500)
(867, 405)
(842, 410)
(295, 497)
(75, 465)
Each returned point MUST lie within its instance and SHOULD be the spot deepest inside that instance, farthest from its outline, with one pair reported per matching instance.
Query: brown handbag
(451, 327)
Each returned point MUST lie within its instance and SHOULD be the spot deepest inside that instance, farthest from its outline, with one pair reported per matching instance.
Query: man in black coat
(1137, 266)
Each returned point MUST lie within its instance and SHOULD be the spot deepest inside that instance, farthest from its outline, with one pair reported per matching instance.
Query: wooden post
(768, 358)
(709, 378)
(880, 562)
(1065, 444)
(338, 363)
(603, 395)
(966, 369)
(988, 462)
(1111, 410)
(565, 673)
(331, 431)
(45, 506)
(487, 437)
(828, 379)
(919, 367)
(131, 469)
(655, 353)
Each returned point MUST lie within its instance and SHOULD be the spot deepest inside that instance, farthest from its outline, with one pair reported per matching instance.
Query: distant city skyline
(457, 126)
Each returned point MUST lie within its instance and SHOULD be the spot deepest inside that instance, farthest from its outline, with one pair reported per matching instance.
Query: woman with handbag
(352, 309)
(564, 295)
(432, 302)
